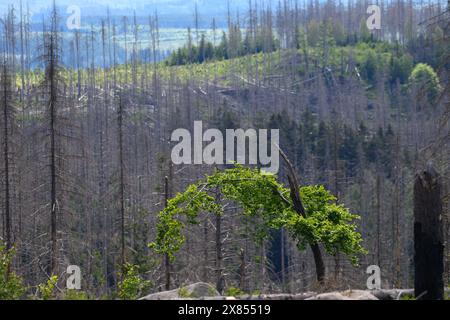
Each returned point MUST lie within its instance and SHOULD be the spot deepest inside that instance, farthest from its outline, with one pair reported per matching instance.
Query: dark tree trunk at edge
(428, 236)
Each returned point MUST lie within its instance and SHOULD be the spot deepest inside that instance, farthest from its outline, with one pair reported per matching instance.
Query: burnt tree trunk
(428, 236)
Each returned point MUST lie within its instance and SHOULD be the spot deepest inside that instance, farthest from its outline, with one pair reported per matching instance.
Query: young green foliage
(327, 223)
(47, 290)
(132, 285)
(427, 81)
(11, 285)
(189, 203)
(71, 294)
(262, 197)
(234, 292)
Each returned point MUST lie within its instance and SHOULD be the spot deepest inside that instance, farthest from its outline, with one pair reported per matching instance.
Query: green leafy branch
(260, 195)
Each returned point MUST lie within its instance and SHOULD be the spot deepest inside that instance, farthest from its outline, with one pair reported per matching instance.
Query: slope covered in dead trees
(86, 154)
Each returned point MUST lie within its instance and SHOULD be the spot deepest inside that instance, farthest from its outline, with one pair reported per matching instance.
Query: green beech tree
(259, 194)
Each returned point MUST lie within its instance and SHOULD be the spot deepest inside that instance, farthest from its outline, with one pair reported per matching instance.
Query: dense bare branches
(85, 137)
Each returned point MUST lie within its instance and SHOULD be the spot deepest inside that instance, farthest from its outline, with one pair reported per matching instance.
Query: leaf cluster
(266, 203)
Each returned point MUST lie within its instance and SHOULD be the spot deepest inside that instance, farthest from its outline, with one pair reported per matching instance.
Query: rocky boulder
(193, 291)
(345, 295)
(392, 294)
(205, 291)
(329, 296)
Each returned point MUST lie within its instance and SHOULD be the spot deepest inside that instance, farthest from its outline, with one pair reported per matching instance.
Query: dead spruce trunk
(428, 236)
(298, 206)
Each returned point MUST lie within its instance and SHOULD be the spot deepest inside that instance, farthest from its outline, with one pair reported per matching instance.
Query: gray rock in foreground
(345, 295)
(193, 291)
(392, 294)
(280, 296)
(205, 291)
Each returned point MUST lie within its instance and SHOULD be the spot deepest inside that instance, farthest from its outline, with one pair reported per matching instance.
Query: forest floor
(205, 291)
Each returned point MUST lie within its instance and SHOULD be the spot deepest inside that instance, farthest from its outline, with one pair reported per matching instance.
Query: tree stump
(428, 236)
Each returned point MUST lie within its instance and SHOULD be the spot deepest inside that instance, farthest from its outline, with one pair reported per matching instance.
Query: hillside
(89, 176)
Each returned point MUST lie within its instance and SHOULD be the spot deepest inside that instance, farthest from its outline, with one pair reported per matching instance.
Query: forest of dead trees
(85, 147)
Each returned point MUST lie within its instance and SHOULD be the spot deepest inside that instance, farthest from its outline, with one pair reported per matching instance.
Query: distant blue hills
(172, 13)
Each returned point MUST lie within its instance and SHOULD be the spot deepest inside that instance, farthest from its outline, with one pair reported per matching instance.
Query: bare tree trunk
(242, 270)
(205, 250)
(428, 236)
(125, 28)
(219, 254)
(166, 256)
(122, 186)
(298, 206)
(52, 82)
(22, 60)
(6, 153)
(283, 256)
(378, 208)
